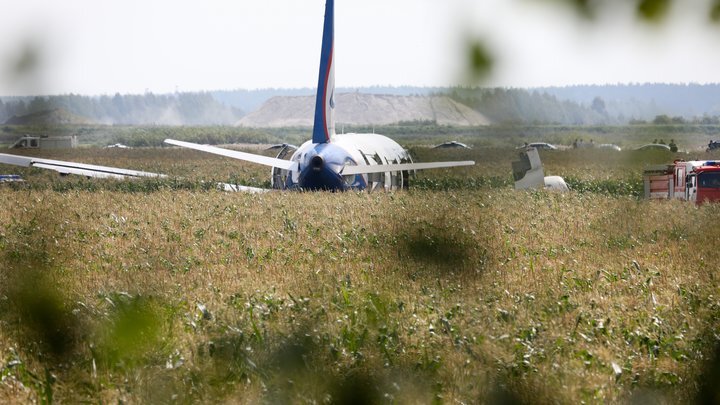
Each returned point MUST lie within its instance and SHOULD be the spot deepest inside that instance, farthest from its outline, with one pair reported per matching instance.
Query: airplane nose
(317, 162)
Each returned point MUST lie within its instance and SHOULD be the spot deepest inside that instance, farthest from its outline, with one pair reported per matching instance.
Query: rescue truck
(695, 180)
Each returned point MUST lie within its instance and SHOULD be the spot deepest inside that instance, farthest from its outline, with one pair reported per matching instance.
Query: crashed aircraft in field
(328, 161)
(528, 173)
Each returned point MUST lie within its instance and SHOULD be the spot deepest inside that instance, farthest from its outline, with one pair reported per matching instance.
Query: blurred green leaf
(653, 10)
(133, 330)
(715, 12)
(480, 59)
(48, 319)
(27, 60)
(583, 8)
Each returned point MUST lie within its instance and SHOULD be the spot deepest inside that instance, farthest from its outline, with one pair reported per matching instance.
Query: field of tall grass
(458, 290)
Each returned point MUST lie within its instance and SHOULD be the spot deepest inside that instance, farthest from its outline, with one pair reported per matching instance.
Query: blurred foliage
(134, 326)
(646, 10)
(653, 10)
(584, 8)
(709, 392)
(481, 60)
(715, 12)
(27, 61)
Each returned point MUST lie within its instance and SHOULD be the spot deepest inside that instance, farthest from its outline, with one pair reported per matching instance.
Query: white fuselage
(320, 165)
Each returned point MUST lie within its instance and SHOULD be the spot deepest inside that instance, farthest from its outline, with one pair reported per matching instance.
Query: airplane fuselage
(320, 165)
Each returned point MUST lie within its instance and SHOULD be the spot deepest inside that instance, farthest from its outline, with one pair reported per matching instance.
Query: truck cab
(708, 184)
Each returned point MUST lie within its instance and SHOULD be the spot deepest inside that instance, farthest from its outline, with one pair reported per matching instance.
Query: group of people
(580, 143)
(672, 145)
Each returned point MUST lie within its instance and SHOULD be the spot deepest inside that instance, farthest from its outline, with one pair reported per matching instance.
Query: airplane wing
(87, 170)
(82, 169)
(248, 157)
(350, 170)
(239, 188)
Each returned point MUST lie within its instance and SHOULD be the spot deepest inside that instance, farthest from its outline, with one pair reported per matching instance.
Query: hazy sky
(133, 46)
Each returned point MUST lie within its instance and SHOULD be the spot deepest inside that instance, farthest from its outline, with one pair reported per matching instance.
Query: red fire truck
(696, 180)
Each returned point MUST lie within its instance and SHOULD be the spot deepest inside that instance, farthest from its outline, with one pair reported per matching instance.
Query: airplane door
(278, 178)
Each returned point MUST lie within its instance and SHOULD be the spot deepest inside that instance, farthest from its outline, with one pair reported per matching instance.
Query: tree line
(576, 106)
(521, 106)
(147, 109)
(664, 119)
(611, 105)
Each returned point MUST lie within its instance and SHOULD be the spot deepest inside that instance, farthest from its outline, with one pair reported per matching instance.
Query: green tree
(662, 119)
(598, 105)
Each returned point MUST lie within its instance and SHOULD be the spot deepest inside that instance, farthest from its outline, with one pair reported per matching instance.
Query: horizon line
(313, 89)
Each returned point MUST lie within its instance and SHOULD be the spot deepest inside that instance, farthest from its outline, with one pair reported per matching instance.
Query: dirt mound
(365, 109)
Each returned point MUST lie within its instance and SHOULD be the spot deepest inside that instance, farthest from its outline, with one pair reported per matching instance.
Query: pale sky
(134, 46)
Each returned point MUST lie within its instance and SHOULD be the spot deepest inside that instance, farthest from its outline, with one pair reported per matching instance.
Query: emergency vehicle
(695, 180)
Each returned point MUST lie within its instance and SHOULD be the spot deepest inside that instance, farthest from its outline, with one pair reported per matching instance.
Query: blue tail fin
(324, 127)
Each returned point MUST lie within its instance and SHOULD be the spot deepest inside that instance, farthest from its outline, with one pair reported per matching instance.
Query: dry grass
(466, 295)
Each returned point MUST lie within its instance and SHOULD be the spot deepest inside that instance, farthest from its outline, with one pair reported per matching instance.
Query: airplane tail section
(324, 126)
(528, 173)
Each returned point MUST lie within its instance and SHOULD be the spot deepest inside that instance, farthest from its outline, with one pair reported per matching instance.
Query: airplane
(528, 173)
(328, 161)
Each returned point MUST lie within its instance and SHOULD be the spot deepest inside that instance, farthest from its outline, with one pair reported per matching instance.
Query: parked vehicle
(45, 142)
(538, 146)
(654, 146)
(452, 144)
(697, 181)
(713, 145)
(609, 146)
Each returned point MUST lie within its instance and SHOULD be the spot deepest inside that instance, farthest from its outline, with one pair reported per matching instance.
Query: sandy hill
(365, 109)
(55, 116)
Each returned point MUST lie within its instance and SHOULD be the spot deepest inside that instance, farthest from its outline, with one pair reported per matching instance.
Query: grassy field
(459, 290)
(689, 137)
